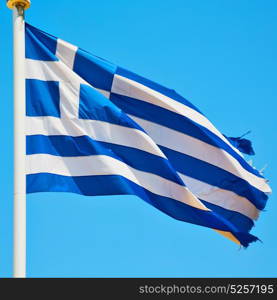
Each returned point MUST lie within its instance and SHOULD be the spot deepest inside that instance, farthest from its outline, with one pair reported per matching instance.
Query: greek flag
(94, 128)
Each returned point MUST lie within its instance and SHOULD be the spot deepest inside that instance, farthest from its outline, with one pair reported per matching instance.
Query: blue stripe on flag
(215, 176)
(164, 117)
(95, 106)
(155, 86)
(40, 45)
(42, 98)
(61, 145)
(242, 222)
(95, 70)
(118, 185)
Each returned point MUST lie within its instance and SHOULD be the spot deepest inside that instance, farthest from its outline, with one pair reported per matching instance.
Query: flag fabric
(94, 128)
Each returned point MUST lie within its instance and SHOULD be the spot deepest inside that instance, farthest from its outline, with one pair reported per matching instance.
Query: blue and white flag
(94, 128)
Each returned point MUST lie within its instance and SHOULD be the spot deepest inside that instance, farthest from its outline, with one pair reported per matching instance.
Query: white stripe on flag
(66, 53)
(98, 130)
(69, 99)
(130, 88)
(105, 165)
(188, 145)
(220, 197)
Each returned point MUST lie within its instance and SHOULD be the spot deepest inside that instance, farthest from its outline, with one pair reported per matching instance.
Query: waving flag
(94, 128)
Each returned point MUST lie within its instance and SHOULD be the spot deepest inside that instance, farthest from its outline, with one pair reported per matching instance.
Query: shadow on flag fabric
(94, 128)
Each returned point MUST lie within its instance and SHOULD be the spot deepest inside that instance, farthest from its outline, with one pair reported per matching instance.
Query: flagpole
(19, 214)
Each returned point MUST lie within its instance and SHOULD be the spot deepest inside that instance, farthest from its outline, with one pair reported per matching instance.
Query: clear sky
(219, 54)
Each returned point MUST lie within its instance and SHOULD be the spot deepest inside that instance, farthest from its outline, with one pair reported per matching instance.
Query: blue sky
(219, 54)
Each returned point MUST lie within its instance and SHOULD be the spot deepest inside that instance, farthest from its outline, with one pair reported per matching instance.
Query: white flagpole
(19, 223)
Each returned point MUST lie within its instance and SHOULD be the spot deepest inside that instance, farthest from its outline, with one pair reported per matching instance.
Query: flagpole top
(25, 4)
